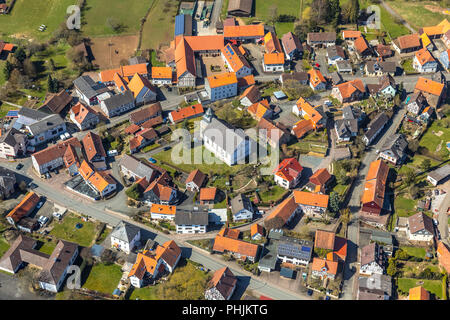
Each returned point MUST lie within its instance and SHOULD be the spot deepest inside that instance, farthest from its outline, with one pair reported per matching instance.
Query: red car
(317, 65)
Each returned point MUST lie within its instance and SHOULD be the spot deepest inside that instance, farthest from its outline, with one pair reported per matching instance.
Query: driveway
(12, 288)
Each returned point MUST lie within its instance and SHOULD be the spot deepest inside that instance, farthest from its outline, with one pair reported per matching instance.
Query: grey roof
(199, 218)
(395, 146)
(343, 64)
(276, 234)
(7, 177)
(321, 36)
(46, 124)
(295, 250)
(299, 76)
(384, 66)
(137, 60)
(125, 231)
(336, 77)
(58, 262)
(349, 112)
(89, 87)
(118, 100)
(136, 166)
(377, 284)
(240, 202)
(368, 253)
(335, 51)
(229, 139)
(13, 137)
(268, 256)
(441, 173)
(381, 236)
(375, 125)
(32, 114)
(346, 127)
(419, 222)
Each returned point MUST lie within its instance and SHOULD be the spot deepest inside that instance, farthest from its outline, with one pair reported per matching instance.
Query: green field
(431, 141)
(415, 251)
(283, 27)
(273, 194)
(4, 108)
(103, 278)
(2, 74)
(27, 15)
(433, 286)
(390, 25)
(289, 7)
(162, 14)
(127, 13)
(404, 207)
(66, 230)
(4, 246)
(416, 14)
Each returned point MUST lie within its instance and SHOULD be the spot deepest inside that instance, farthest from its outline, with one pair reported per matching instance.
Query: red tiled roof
(289, 169)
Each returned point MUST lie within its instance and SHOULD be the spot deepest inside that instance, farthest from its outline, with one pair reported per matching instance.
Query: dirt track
(109, 51)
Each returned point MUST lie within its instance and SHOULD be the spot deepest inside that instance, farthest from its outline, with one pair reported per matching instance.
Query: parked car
(39, 205)
(42, 220)
(152, 160)
(167, 148)
(32, 185)
(112, 153)
(317, 65)
(67, 135)
(47, 175)
(19, 166)
(310, 292)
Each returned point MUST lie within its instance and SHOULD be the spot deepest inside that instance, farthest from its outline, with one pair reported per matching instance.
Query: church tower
(207, 118)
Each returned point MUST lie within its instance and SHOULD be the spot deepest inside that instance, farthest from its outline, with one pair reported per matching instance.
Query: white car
(42, 220)
(62, 137)
(112, 153)
(67, 135)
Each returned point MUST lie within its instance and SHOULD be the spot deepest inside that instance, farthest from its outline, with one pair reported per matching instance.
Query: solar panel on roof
(306, 249)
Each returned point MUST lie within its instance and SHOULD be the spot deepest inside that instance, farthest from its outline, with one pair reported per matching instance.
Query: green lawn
(431, 141)
(47, 247)
(4, 108)
(416, 14)
(417, 161)
(128, 13)
(433, 286)
(415, 251)
(162, 14)
(187, 282)
(390, 25)
(216, 166)
(404, 207)
(4, 246)
(407, 65)
(283, 27)
(273, 194)
(289, 7)
(66, 230)
(103, 278)
(27, 15)
(2, 74)
(155, 62)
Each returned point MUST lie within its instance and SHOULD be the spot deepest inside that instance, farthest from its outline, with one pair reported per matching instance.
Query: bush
(134, 192)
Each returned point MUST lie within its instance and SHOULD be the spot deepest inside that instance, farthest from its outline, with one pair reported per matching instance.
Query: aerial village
(356, 206)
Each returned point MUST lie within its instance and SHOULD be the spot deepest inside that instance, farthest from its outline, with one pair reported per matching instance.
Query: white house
(241, 208)
(191, 222)
(13, 143)
(296, 252)
(221, 86)
(84, 117)
(372, 260)
(312, 204)
(222, 285)
(226, 143)
(235, 61)
(125, 236)
(162, 212)
(420, 228)
(424, 62)
(288, 173)
(45, 129)
(435, 177)
(118, 104)
(273, 62)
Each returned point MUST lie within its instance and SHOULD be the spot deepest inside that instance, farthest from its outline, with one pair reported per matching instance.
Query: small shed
(279, 95)
(287, 273)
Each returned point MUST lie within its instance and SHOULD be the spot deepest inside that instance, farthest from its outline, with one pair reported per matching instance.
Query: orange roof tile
(443, 256)
(316, 77)
(187, 112)
(246, 81)
(163, 209)
(302, 127)
(145, 262)
(424, 56)
(330, 266)
(162, 73)
(101, 180)
(273, 58)
(120, 82)
(348, 88)
(259, 109)
(288, 169)
(234, 58)
(375, 184)
(272, 43)
(81, 111)
(132, 129)
(418, 293)
(408, 41)
(320, 177)
(85, 170)
(208, 194)
(93, 146)
(284, 210)
(256, 229)
(324, 239)
(361, 44)
(123, 71)
(351, 34)
(223, 79)
(244, 31)
(247, 249)
(311, 199)
(137, 83)
(229, 233)
(205, 43)
(429, 86)
(311, 112)
(437, 30)
(28, 203)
